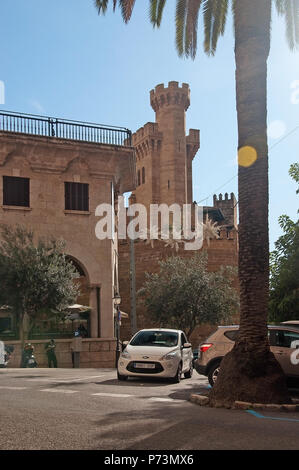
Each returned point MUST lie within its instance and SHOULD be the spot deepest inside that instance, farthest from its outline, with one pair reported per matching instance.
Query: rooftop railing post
(64, 129)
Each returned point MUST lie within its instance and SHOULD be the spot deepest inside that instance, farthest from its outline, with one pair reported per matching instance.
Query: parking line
(13, 388)
(258, 415)
(112, 395)
(65, 380)
(171, 400)
(58, 390)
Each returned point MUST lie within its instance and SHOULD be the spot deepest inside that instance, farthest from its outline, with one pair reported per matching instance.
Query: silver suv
(284, 340)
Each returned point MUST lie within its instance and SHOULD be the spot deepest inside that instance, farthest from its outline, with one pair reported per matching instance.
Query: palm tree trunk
(250, 372)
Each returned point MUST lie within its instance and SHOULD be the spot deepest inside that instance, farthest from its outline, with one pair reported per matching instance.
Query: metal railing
(64, 129)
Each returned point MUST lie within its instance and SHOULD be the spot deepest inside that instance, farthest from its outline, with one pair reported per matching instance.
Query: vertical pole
(99, 311)
(133, 288)
(117, 328)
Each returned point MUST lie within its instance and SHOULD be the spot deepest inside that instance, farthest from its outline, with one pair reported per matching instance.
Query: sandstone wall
(95, 353)
(223, 251)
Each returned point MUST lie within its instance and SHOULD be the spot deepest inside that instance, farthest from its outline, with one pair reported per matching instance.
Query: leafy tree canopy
(184, 294)
(284, 267)
(34, 277)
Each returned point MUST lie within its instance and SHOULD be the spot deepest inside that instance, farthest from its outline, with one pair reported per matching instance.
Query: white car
(156, 352)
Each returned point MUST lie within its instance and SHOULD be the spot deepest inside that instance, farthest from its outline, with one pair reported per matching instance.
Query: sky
(61, 59)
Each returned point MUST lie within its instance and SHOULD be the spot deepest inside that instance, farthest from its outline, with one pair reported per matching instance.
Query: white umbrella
(123, 314)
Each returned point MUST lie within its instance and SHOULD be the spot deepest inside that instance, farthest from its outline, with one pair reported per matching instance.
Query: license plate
(144, 365)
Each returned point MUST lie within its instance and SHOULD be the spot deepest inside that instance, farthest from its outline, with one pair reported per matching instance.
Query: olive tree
(35, 277)
(183, 294)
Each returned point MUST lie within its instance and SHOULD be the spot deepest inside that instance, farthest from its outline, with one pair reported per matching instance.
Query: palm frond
(187, 12)
(101, 6)
(290, 10)
(280, 6)
(215, 15)
(191, 28)
(126, 7)
(292, 23)
(180, 21)
(220, 15)
(156, 11)
(208, 8)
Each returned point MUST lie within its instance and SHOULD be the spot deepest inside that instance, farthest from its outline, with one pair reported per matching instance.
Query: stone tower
(164, 153)
(228, 207)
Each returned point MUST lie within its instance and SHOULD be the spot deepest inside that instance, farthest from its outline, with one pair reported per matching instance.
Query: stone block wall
(96, 353)
(221, 252)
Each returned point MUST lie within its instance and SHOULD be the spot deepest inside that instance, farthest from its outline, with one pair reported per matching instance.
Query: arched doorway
(82, 280)
(81, 318)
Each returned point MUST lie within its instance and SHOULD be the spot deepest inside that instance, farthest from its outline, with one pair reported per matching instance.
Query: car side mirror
(124, 344)
(187, 345)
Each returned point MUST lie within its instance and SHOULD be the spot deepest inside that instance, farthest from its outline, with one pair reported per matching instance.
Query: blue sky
(61, 59)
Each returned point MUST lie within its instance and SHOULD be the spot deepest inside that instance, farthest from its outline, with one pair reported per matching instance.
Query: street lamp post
(117, 302)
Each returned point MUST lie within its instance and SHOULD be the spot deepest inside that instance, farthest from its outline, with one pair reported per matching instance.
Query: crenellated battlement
(228, 206)
(173, 95)
(148, 130)
(224, 200)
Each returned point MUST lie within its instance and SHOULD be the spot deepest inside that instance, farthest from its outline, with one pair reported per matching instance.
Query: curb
(203, 400)
(242, 405)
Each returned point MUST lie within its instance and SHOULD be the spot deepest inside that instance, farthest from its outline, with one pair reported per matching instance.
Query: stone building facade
(164, 155)
(53, 186)
(157, 167)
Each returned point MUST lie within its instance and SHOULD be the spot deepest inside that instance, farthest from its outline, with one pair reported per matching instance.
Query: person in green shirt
(50, 350)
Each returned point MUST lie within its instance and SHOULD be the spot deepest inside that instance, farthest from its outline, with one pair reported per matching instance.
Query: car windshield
(155, 338)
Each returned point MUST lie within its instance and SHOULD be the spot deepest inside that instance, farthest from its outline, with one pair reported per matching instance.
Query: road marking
(258, 415)
(13, 388)
(58, 390)
(112, 395)
(75, 379)
(164, 399)
(65, 380)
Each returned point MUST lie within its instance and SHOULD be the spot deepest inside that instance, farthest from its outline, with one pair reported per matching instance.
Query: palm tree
(249, 372)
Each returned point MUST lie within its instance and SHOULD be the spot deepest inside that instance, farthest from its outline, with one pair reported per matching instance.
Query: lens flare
(247, 156)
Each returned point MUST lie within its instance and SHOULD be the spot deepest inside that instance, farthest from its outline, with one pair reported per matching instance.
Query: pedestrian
(50, 350)
(2, 354)
(82, 331)
(76, 348)
(26, 354)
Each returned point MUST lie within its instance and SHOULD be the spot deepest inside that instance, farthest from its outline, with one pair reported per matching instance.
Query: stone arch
(18, 159)
(83, 280)
(80, 164)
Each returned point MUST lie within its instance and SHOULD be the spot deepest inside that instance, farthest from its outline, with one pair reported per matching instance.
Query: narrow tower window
(143, 175)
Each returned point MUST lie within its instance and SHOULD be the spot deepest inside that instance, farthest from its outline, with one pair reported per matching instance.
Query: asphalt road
(78, 409)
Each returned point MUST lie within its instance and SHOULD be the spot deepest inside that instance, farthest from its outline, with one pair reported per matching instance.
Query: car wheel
(177, 378)
(188, 374)
(122, 377)
(213, 373)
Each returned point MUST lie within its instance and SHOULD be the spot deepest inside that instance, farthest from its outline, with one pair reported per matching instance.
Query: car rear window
(155, 338)
(232, 334)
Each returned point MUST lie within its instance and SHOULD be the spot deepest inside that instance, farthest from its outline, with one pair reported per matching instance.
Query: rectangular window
(16, 191)
(76, 196)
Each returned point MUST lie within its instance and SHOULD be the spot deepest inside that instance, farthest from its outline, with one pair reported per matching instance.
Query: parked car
(156, 352)
(220, 342)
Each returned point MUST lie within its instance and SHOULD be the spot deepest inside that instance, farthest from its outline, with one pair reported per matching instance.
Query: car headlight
(125, 355)
(170, 356)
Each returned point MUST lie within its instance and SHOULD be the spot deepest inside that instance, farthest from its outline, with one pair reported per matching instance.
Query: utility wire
(235, 176)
